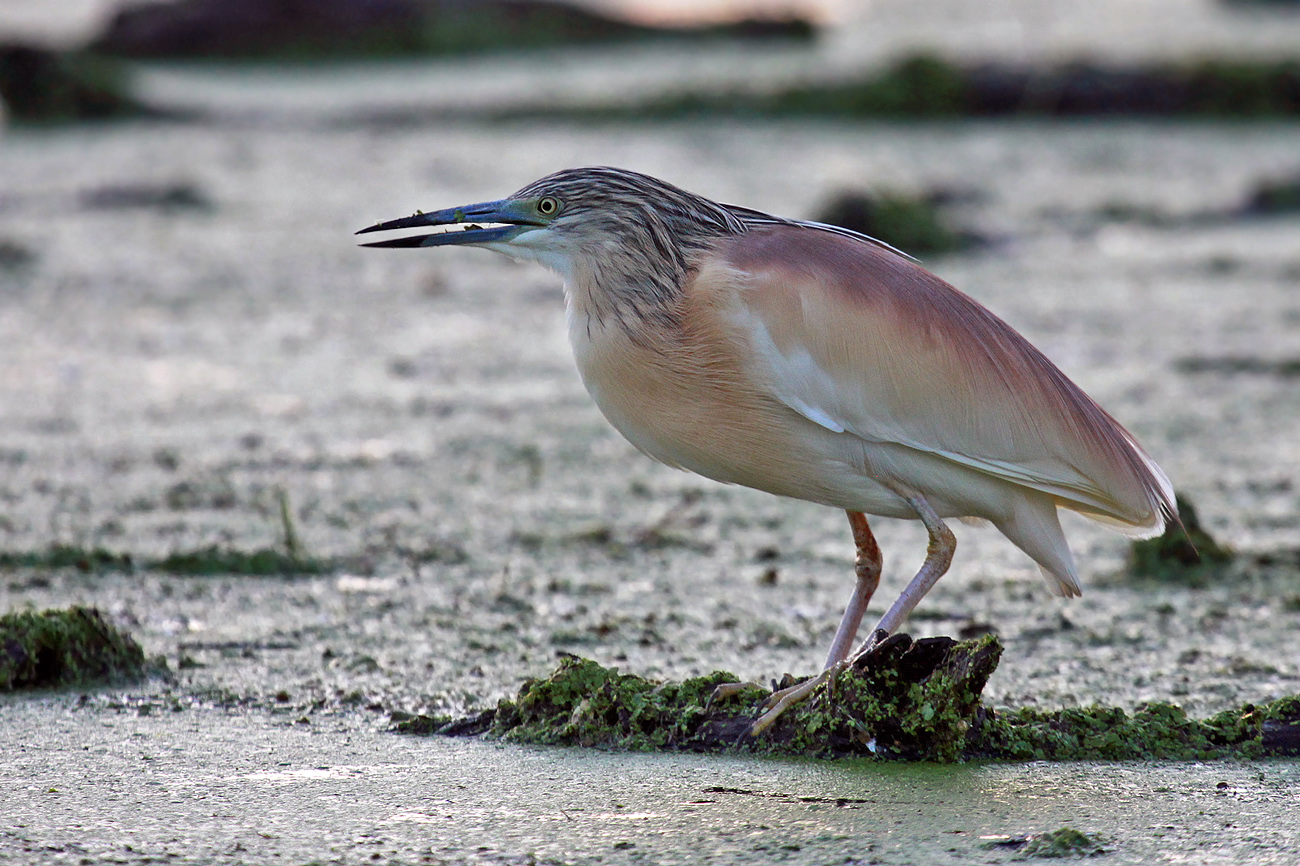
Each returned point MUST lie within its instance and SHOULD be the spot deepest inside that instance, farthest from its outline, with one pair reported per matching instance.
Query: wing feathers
(857, 339)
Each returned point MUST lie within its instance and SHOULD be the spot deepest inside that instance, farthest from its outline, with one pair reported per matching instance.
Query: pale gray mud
(166, 371)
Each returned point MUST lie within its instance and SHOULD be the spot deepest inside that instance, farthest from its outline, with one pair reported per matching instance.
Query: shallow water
(165, 373)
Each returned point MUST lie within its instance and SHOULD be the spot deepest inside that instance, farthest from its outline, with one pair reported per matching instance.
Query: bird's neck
(635, 300)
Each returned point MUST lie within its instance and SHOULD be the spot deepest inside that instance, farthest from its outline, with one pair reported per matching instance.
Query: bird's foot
(780, 701)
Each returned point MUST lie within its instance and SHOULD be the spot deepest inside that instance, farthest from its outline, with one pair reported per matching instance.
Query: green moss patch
(42, 86)
(907, 699)
(1158, 731)
(68, 556)
(1185, 553)
(913, 224)
(219, 560)
(64, 647)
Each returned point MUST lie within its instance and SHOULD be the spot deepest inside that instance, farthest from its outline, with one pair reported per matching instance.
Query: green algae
(264, 561)
(39, 85)
(906, 700)
(915, 225)
(926, 86)
(68, 556)
(200, 561)
(56, 648)
(1158, 731)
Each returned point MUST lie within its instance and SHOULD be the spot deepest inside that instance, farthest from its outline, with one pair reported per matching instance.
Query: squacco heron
(817, 363)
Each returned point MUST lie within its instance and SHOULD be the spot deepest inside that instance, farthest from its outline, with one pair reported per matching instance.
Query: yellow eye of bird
(548, 206)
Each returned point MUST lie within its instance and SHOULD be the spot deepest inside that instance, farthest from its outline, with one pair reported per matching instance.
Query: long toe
(778, 702)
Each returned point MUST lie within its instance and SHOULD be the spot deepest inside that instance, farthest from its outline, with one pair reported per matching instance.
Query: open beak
(488, 222)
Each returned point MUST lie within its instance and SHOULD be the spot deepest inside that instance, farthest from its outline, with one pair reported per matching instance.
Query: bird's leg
(867, 566)
(938, 556)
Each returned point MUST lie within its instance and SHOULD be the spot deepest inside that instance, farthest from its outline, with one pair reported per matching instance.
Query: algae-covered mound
(913, 699)
(64, 647)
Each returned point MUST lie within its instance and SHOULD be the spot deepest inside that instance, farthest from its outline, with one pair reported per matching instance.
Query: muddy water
(165, 373)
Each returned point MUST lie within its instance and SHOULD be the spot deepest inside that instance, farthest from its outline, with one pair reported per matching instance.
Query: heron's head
(607, 219)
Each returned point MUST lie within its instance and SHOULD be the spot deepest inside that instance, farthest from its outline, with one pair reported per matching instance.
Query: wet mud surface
(106, 782)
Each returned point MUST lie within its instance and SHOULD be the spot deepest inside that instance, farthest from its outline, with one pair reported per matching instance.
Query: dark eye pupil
(547, 205)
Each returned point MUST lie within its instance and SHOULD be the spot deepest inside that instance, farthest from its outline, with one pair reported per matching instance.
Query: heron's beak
(512, 218)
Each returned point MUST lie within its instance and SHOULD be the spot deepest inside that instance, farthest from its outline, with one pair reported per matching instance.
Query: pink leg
(938, 557)
(867, 567)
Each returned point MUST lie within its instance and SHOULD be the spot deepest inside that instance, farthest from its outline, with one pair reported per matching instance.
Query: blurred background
(201, 374)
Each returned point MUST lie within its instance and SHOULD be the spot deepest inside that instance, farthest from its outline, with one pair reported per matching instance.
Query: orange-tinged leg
(867, 566)
(938, 556)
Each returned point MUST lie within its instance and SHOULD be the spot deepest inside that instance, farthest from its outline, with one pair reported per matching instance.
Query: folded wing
(860, 340)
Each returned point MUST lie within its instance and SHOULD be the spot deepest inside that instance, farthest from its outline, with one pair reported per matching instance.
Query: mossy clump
(64, 647)
(1185, 553)
(68, 556)
(1274, 198)
(913, 224)
(921, 85)
(910, 699)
